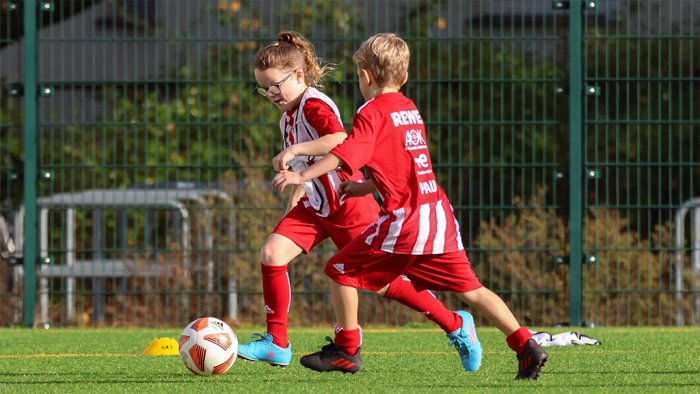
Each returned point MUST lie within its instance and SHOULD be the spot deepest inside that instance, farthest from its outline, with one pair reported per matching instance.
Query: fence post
(575, 159)
(30, 162)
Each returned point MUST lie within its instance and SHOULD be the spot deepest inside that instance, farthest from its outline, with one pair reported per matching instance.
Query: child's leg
(491, 306)
(274, 347)
(348, 335)
(275, 255)
(297, 232)
(345, 305)
(531, 356)
(343, 353)
(402, 290)
(459, 326)
(452, 271)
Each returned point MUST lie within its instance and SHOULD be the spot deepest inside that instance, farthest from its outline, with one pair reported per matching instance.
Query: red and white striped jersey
(316, 116)
(388, 139)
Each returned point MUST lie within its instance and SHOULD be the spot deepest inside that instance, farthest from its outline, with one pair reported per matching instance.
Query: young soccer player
(416, 234)
(289, 74)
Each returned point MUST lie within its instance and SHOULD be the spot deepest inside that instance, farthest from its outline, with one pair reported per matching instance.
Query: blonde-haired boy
(416, 235)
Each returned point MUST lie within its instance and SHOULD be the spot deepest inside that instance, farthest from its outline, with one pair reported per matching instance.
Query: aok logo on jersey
(414, 140)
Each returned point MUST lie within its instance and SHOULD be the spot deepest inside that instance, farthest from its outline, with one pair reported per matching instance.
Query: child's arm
(317, 147)
(328, 163)
(356, 189)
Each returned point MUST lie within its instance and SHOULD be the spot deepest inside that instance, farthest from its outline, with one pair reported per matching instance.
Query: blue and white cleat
(264, 350)
(466, 343)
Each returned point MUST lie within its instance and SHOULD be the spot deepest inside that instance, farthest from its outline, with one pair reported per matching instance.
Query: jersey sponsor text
(428, 187)
(403, 118)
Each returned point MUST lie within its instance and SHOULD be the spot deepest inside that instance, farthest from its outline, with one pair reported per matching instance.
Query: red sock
(348, 340)
(518, 339)
(277, 296)
(402, 290)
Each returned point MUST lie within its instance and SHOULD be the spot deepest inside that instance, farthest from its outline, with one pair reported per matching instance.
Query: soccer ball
(208, 346)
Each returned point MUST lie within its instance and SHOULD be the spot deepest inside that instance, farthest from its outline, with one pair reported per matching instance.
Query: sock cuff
(274, 269)
(348, 339)
(518, 339)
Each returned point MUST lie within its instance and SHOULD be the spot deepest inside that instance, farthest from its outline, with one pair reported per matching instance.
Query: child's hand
(281, 161)
(354, 189)
(286, 178)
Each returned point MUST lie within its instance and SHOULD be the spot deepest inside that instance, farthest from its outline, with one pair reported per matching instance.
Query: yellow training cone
(163, 347)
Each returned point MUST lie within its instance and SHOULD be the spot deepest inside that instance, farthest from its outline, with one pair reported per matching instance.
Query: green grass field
(410, 360)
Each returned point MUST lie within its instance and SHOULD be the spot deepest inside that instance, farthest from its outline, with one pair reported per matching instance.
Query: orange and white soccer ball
(208, 346)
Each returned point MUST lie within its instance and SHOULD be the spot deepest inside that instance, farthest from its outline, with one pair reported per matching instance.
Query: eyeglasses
(273, 88)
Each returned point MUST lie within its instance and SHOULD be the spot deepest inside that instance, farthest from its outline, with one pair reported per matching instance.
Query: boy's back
(388, 139)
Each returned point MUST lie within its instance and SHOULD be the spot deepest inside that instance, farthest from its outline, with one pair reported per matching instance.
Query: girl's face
(281, 86)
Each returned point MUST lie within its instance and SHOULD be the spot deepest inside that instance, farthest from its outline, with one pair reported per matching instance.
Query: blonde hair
(386, 55)
(291, 51)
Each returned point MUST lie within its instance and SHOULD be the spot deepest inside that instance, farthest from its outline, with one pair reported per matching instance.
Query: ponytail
(292, 51)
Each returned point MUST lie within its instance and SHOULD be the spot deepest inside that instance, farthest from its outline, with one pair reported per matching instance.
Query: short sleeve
(322, 117)
(357, 150)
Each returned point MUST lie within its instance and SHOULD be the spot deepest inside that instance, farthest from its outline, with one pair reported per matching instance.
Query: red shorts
(306, 229)
(360, 266)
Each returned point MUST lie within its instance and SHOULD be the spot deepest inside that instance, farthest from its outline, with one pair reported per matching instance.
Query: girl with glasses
(289, 75)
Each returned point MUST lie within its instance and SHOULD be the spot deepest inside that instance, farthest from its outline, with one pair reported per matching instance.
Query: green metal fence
(642, 139)
(136, 157)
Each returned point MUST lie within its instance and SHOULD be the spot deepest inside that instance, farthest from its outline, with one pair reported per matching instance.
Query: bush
(627, 284)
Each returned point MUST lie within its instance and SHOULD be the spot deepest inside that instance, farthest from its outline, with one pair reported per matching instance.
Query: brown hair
(292, 51)
(386, 55)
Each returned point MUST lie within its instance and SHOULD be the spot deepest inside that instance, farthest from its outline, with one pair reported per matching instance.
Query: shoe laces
(331, 347)
(260, 337)
(460, 343)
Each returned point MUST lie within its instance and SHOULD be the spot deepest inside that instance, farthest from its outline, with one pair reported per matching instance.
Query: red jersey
(316, 116)
(388, 139)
